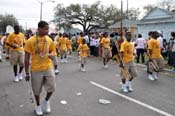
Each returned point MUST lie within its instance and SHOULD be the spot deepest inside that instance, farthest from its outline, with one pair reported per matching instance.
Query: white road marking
(131, 99)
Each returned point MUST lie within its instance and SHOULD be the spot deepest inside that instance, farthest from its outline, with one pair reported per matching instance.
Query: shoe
(62, 60)
(57, 71)
(38, 111)
(130, 89)
(16, 79)
(155, 75)
(65, 60)
(124, 88)
(150, 77)
(83, 70)
(46, 106)
(105, 66)
(20, 76)
(0, 60)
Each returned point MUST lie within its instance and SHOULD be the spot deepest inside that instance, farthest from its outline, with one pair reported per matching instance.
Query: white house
(157, 20)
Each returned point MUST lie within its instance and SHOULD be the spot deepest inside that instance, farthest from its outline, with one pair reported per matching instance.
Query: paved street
(150, 98)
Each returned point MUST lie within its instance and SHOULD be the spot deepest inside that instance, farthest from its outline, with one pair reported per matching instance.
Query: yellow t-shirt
(79, 40)
(105, 42)
(63, 43)
(83, 48)
(45, 45)
(16, 39)
(128, 51)
(154, 45)
(69, 44)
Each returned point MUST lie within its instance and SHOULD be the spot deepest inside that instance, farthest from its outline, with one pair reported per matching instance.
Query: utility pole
(127, 10)
(121, 28)
(41, 10)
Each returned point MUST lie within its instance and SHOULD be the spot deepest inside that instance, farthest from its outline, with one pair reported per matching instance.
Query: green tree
(167, 5)
(88, 16)
(7, 20)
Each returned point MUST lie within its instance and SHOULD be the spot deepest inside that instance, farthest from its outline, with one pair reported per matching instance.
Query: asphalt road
(149, 98)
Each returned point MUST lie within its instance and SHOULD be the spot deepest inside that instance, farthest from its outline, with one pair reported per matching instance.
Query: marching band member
(156, 61)
(84, 52)
(41, 49)
(127, 56)
(106, 50)
(16, 41)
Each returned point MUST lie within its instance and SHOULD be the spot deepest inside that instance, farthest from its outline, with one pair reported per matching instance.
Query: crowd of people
(39, 54)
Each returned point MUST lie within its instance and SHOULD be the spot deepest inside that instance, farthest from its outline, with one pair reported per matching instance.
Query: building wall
(165, 28)
(133, 30)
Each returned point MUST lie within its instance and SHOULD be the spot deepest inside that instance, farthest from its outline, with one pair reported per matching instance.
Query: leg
(15, 69)
(104, 61)
(142, 55)
(138, 55)
(49, 94)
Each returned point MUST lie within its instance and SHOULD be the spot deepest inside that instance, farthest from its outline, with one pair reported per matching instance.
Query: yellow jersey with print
(57, 40)
(54, 53)
(128, 51)
(105, 42)
(16, 39)
(79, 40)
(83, 49)
(39, 48)
(154, 45)
(69, 44)
(63, 43)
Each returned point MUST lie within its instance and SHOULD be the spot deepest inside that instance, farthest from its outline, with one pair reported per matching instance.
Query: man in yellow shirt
(154, 54)
(127, 55)
(69, 46)
(41, 49)
(16, 41)
(79, 41)
(106, 50)
(63, 48)
(84, 52)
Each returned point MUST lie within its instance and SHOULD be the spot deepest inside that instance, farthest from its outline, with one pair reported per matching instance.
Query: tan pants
(106, 53)
(131, 68)
(159, 61)
(43, 78)
(17, 57)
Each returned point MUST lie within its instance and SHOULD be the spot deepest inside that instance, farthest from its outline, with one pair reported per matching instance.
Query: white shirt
(140, 42)
(160, 39)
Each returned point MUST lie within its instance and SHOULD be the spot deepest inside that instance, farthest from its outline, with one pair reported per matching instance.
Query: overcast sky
(28, 11)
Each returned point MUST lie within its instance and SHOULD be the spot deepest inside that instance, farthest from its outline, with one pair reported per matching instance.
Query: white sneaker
(62, 60)
(16, 79)
(83, 70)
(129, 86)
(46, 106)
(20, 76)
(124, 88)
(38, 111)
(150, 77)
(106, 66)
(57, 71)
(65, 60)
(155, 75)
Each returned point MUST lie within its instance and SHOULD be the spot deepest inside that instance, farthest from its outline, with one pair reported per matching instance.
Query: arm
(26, 65)
(149, 53)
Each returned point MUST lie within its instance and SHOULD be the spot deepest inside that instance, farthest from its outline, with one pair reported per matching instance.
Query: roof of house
(125, 23)
(158, 15)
